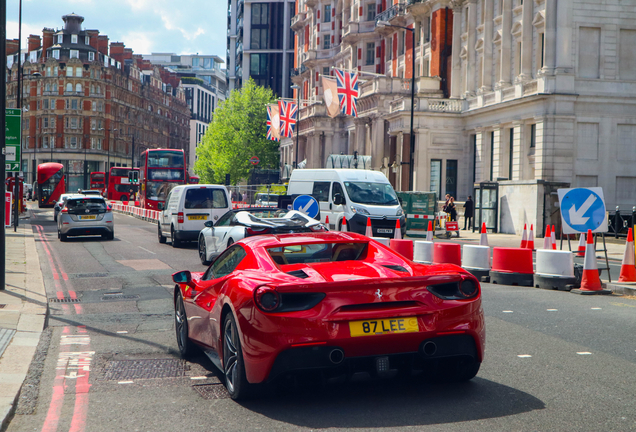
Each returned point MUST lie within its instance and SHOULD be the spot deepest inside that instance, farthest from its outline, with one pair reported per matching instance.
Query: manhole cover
(88, 275)
(119, 297)
(64, 300)
(212, 391)
(144, 369)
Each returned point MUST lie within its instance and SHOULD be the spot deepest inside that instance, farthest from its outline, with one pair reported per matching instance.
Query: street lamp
(297, 88)
(411, 164)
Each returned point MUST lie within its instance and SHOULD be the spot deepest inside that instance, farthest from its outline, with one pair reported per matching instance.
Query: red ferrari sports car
(337, 303)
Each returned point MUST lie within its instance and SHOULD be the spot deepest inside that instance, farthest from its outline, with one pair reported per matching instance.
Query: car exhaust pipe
(336, 356)
(429, 348)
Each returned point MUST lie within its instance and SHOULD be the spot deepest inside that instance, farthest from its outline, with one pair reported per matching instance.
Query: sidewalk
(23, 312)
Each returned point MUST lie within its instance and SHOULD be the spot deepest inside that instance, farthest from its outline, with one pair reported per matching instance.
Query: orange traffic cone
(628, 270)
(553, 238)
(397, 234)
(429, 232)
(483, 240)
(344, 224)
(547, 239)
(369, 231)
(530, 244)
(327, 221)
(581, 251)
(591, 282)
(524, 237)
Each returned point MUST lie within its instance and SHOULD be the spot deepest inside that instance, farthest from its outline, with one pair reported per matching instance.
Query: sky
(146, 26)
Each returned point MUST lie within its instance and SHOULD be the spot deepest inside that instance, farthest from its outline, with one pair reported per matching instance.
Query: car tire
(186, 347)
(175, 243)
(453, 370)
(63, 237)
(58, 234)
(203, 252)
(233, 363)
(110, 236)
(162, 238)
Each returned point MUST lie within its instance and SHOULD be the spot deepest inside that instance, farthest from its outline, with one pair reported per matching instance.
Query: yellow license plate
(197, 217)
(88, 217)
(383, 326)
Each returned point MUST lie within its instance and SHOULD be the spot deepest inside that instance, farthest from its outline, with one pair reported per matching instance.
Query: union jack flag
(271, 132)
(347, 92)
(288, 111)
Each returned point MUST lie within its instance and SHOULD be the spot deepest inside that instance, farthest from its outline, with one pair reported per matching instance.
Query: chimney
(103, 44)
(93, 36)
(47, 41)
(117, 51)
(128, 53)
(13, 46)
(34, 42)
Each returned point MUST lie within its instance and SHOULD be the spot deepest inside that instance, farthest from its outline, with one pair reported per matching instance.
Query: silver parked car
(238, 224)
(85, 215)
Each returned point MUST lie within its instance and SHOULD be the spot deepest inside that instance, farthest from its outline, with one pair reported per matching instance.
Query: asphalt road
(554, 360)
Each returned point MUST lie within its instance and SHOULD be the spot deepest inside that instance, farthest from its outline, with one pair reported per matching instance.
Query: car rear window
(205, 198)
(317, 253)
(75, 205)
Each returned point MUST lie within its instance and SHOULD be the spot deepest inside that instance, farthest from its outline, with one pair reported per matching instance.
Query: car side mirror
(182, 277)
(161, 206)
(208, 224)
(338, 199)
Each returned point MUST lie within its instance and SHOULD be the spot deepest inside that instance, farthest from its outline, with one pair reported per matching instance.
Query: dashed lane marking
(199, 378)
(125, 382)
(596, 308)
(524, 356)
(584, 353)
(552, 310)
(122, 332)
(507, 311)
(149, 251)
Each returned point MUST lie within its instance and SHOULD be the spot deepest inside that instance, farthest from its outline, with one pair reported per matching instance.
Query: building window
(325, 71)
(418, 33)
(69, 71)
(260, 13)
(451, 177)
(56, 54)
(45, 122)
(327, 17)
(74, 104)
(87, 40)
(401, 42)
(73, 141)
(259, 38)
(533, 135)
(94, 106)
(389, 48)
(436, 177)
(79, 72)
(91, 56)
(492, 155)
(74, 39)
(45, 104)
(370, 53)
(74, 53)
(326, 44)
(60, 38)
(45, 142)
(93, 124)
(78, 88)
(371, 9)
(69, 88)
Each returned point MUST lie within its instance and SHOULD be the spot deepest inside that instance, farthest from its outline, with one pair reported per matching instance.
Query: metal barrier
(618, 223)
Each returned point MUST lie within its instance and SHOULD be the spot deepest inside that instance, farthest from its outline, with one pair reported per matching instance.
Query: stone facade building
(85, 103)
(533, 93)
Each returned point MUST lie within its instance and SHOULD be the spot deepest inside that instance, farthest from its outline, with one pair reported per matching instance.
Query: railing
(508, 93)
(390, 13)
(529, 88)
(618, 223)
(426, 104)
(296, 19)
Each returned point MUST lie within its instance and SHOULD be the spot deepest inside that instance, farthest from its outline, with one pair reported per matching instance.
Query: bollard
(555, 270)
(403, 247)
(476, 259)
(511, 266)
(447, 253)
(423, 252)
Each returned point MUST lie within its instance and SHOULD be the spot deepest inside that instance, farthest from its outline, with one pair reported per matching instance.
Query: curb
(31, 321)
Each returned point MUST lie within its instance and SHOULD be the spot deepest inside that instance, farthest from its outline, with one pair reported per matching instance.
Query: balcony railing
(390, 13)
(298, 71)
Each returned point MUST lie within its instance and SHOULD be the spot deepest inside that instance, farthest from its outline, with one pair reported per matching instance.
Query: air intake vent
(396, 268)
(299, 274)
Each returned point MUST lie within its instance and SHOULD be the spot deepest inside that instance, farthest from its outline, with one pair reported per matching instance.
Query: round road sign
(254, 160)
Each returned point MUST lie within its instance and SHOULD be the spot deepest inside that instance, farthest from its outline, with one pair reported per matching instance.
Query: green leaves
(237, 133)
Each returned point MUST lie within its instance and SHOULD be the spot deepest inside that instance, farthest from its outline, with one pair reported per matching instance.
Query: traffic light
(133, 177)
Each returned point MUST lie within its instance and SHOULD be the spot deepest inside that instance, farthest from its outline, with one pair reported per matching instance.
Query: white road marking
(125, 382)
(147, 250)
(597, 308)
(524, 356)
(552, 310)
(199, 378)
(507, 311)
(122, 332)
(584, 353)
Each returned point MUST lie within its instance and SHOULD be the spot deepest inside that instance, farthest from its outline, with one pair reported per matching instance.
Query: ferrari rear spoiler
(373, 284)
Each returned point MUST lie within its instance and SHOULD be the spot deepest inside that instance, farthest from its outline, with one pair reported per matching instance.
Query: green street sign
(12, 155)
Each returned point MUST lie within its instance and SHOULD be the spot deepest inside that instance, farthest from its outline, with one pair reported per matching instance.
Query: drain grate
(64, 300)
(119, 297)
(212, 391)
(88, 275)
(144, 369)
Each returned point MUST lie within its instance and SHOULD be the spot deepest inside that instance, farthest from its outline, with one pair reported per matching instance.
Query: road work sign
(582, 209)
(306, 204)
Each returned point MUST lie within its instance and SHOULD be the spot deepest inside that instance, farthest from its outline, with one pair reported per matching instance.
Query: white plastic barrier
(476, 257)
(384, 240)
(423, 251)
(555, 263)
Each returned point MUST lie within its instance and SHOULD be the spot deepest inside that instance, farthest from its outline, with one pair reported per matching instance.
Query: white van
(354, 194)
(187, 208)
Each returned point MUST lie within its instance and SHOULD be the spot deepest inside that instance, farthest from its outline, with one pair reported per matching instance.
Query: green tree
(237, 132)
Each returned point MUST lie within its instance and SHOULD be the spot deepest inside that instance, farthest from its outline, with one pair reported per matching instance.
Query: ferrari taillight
(267, 298)
(461, 290)
(180, 217)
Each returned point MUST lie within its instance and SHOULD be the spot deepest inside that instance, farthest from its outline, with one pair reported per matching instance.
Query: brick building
(531, 92)
(86, 101)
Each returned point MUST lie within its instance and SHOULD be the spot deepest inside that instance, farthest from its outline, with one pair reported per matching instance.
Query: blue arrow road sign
(306, 204)
(582, 209)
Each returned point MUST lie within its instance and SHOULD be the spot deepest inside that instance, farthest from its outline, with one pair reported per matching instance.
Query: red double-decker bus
(193, 179)
(51, 183)
(119, 186)
(98, 181)
(161, 170)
